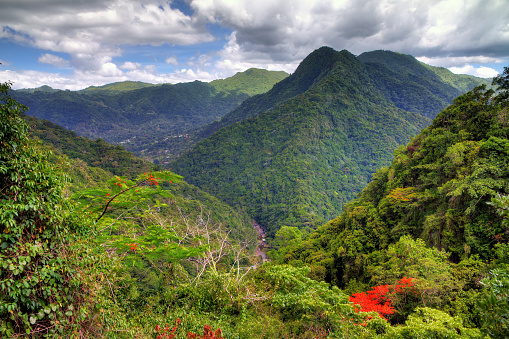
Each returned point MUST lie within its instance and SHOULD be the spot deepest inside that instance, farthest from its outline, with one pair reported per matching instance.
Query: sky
(73, 44)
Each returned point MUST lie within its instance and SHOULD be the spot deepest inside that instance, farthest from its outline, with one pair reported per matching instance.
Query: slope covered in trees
(306, 147)
(438, 214)
(437, 188)
(95, 153)
(93, 162)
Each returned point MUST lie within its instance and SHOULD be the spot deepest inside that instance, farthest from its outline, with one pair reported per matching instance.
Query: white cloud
(286, 31)
(457, 61)
(52, 59)
(97, 29)
(109, 69)
(34, 79)
(482, 72)
(233, 59)
(130, 65)
(270, 34)
(172, 61)
(110, 73)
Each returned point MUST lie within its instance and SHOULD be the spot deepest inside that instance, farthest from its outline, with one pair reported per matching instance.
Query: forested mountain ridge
(118, 87)
(145, 117)
(300, 151)
(414, 86)
(439, 188)
(398, 72)
(316, 64)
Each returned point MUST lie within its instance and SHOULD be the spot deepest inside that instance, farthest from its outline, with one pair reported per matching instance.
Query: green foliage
(286, 238)
(493, 304)
(501, 203)
(123, 193)
(433, 275)
(41, 292)
(502, 81)
(437, 215)
(432, 323)
(251, 82)
(436, 189)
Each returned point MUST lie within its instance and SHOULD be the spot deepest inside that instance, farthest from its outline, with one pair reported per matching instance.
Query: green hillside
(409, 84)
(299, 162)
(93, 162)
(462, 82)
(44, 88)
(95, 153)
(437, 214)
(437, 188)
(299, 152)
(118, 116)
(118, 87)
(251, 82)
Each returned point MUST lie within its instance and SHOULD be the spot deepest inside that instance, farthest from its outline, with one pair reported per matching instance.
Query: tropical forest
(359, 197)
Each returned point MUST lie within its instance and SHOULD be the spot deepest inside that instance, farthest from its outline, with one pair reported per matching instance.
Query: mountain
(120, 115)
(296, 154)
(439, 188)
(414, 86)
(141, 116)
(397, 75)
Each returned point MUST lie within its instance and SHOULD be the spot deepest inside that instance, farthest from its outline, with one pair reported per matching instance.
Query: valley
(358, 197)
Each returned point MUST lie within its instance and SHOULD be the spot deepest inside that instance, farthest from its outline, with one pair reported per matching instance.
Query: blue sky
(73, 44)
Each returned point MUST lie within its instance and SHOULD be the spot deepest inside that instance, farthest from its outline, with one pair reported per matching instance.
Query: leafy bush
(41, 292)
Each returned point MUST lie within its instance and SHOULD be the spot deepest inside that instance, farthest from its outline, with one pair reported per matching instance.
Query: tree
(433, 275)
(431, 323)
(494, 304)
(40, 290)
(503, 85)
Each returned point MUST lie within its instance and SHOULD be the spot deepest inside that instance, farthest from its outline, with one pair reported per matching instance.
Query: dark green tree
(40, 290)
(502, 81)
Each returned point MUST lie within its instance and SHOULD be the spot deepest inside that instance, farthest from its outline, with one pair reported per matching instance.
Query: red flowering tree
(380, 298)
(169, 332)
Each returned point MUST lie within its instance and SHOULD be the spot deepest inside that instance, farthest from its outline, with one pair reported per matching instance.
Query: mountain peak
(321, 60)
